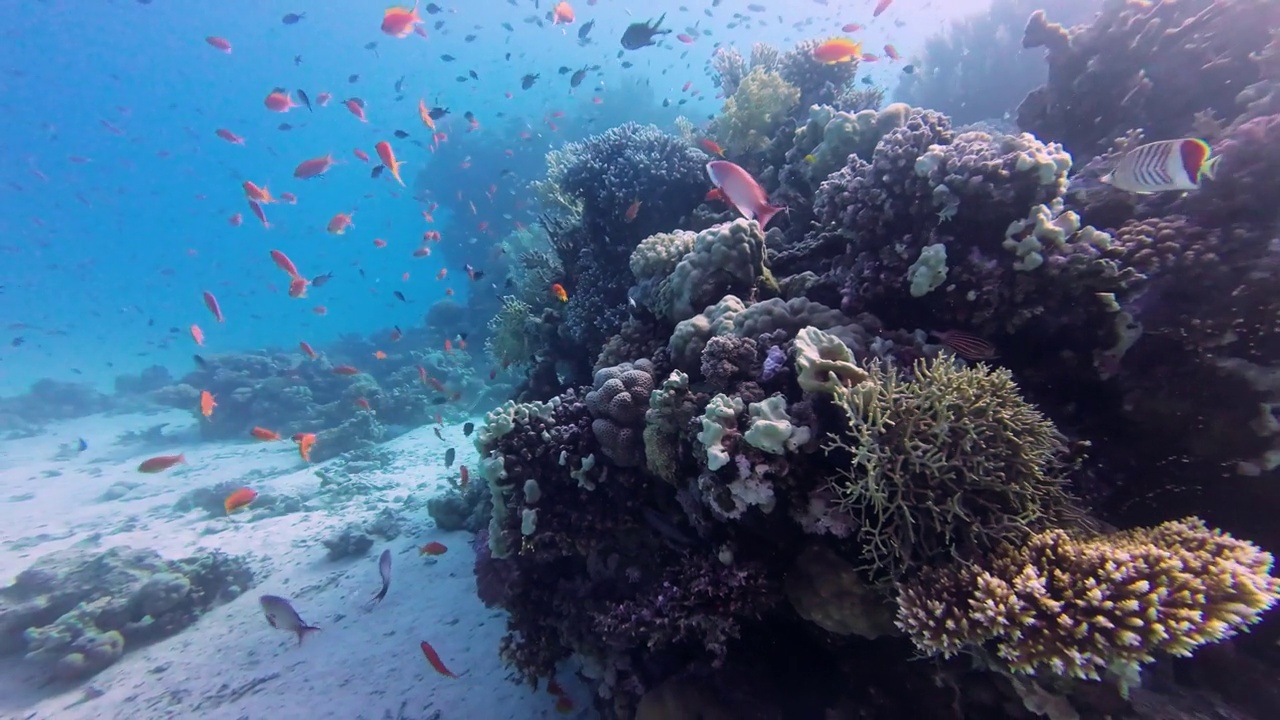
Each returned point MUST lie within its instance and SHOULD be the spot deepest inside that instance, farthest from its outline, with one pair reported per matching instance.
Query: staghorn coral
(1085, 606)
(947, 461)
(754, 113)
(1153, 66)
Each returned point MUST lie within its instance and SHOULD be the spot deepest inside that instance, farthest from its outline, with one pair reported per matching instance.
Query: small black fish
(627, 64)
(320, 280)
(433, 9)
(507, 26)
(447, 57)
(437, 112)
(565, 70)
(473, 74)
(384, 569)
(439, 400)
(292, 18)
(666, 102)
(439, 24)
(449, 455)
(17, 341)
(306, 100)
(353, 79)
(204, 364)
(909, 69)
(469, 116)
(438, 433)
(461, 78)
(361, 272)
(400, 134)
(376, 172)
(284, 126)
(641, 34)
(467, 429)
(582, 31)
(527, 81)
(577, 78)
(82, 445)
(297, 59)
(400, 85)
(399, 296)
(508, 56)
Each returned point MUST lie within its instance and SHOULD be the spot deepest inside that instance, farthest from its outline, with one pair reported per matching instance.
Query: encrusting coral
(1085, 606)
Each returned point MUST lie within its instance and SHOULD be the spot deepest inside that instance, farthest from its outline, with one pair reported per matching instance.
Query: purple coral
(774, 361)
(618, 404)
(726, 359)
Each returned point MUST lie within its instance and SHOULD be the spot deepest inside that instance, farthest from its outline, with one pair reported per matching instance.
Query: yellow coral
(756, 111)
(513, 338)
(1087, 605)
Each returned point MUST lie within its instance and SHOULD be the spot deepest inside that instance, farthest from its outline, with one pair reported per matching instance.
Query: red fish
(220, 43)
(363, 404)
(283, 262)
(239, 499)
(713, 194)
(422, 373)
(892, 52)
(277, 101)
(197, 334)
(870, 57)
(362, 155)
(298, 287)
(742, 191)
(235, 220)
(379, 243)
(443, 272)
(966, 345)
(229, 136)
(258, 212)
(388, 158)
(339, 223)
(711, 146)
(433, 548)
(289, 198)
(345, 370)
(211, 302)
(160, 463)
(320, 310)
(434, 658)
(851, 27)
(306, 348)
(257, 194)
(399, 22)
(837, 50)
(881, 7)
(464, 477)
(323, 99)
(632, 210)
(315, 167)
(562, 14)
(260, 433)
(686, 39)
(356, 107)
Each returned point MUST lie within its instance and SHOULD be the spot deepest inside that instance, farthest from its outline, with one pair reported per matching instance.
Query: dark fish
(585, 29)
(565, 70)
(439, 24)
(400, 134)
(527, 81)
(438, 433)
(627, 64)
(400, 85)
(297, 59)
(384, 569)
(577, 78)
(306, 100)
(82, 445)
(292, 18)
(866, 80)
(461, 78)
(204, 364)
(909, 69)
(355, 78)
(373, 46)
(376, 172)
(507, 26)
(17, 341)
(756, 7)
(448, 58)
(439, 400)
(320, 280)
(666, 102)
(284, 126)
(468, 428)
(282, 616)
(399, 296)
(967, 345)
(473, 74)
(433, 9)
(638, 35)
(470, 117)
(469, 38)
(449, 455)
(437, 112)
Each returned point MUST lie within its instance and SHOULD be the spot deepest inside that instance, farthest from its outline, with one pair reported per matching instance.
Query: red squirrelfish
(400, 21)
(211, 302)
(434, 658)
(742, 191)
(315, 167)
(388, 158)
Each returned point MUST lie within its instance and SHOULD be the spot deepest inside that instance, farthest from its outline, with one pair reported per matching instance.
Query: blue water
(102, 258)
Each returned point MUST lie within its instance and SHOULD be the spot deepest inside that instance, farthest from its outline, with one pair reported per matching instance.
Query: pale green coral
(731, 316)
(830, 136)
(929, 270)
(513, 336)
(771, 428)
(753, 115)
(719, 418)
(657, 255)
(725, 259)
(825, 364)
(669, 408)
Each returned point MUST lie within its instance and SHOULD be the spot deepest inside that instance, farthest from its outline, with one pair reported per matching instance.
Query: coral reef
(754, 113)
(75, 612)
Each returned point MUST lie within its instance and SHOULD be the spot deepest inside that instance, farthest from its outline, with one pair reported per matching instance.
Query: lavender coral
(618, 403)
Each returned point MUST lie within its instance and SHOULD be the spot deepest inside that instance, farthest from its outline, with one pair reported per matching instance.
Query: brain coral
(1084, 606)
(618, 403)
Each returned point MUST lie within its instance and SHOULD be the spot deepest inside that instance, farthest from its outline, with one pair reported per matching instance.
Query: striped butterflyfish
(1168, 165)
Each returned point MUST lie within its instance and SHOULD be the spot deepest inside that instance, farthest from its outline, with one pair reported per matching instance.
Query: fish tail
(765, 214)
(303, 630)
(382, 593)
(1210, 168)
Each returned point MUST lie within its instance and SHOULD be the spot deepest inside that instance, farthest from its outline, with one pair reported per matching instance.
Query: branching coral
(754, 113)
(948, 461)
(1084, 606)
(512, 341)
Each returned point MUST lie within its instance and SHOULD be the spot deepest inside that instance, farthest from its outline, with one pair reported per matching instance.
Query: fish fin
(1210, 168)
(302, 632)
(766, 213)
(382, 593)
(1107, 179)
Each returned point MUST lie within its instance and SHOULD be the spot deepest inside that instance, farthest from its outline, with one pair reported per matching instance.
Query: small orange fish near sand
(305, 442)
(433, 548)
(264, 434)
(206, 403)
(434, 658)
(239, 499)
(160, 463)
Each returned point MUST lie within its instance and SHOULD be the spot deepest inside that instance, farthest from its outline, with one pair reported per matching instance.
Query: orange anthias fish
(264, 434)
(562, 14)
(379, 355)
(464, 477)
(305, 442)
(220, 43)
(283, 262)
(206, 403)
(837, 50)
(433, 548)
(434, 658)
(298, 287)
(632, 210)
(881, 7)
(339, 223)
(197, 334)
(742, 191)
(160, 463)
(388, 158)
(559, 293)
(345, 370)
(711, 146)
(239, 499)
(278, 101)
(425, 114)
(211, 302)
(306, 348)
(257, 194)
(356, 107)
(892, 52)
(399, 21)
(315, 167)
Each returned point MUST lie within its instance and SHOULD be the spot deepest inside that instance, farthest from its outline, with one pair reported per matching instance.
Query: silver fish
(384, 567)
(282, 616)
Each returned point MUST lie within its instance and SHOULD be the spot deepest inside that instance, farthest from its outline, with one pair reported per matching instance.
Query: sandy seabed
(365, 662)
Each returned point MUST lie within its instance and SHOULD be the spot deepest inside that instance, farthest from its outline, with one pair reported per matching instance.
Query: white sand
(365, 663)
